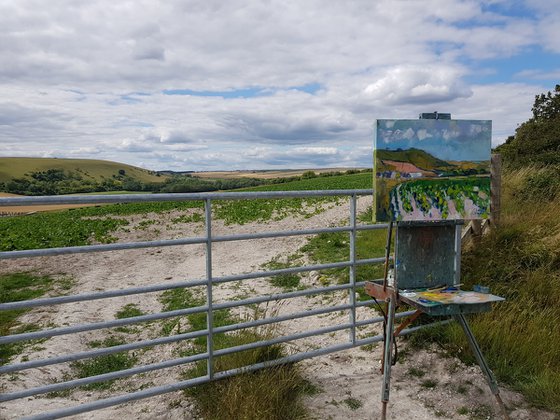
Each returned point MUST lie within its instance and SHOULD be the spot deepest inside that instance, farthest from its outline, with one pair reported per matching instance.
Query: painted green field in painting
(436, 199)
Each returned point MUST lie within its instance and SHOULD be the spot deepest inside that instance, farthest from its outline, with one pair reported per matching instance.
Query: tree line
(58, 181)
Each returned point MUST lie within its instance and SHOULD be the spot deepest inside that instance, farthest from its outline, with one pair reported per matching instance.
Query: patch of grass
(353, 403)
(129, 311)
(185, 298)
(271, 393)
(481, 412)
(189, 218)
(462, 389)
(16, 287)
(429, 383)
(463, 411)
(286, 282)
(335, 247)
(103, 364)
(416, 372)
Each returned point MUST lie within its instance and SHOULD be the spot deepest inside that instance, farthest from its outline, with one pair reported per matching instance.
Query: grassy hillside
(97, 170)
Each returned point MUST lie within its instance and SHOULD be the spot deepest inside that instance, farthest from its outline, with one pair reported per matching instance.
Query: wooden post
(495, 188)
(476, 227)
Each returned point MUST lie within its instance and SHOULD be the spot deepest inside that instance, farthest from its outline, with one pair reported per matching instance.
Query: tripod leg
(387, 356)
(482, 363)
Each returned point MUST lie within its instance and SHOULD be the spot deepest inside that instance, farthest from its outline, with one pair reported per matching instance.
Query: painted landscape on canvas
(432, 169)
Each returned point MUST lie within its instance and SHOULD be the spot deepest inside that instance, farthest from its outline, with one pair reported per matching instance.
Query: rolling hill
(417, 157)
(94, 170)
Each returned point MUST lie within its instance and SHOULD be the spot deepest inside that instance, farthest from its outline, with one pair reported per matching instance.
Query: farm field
(450, 198)
(266, 174)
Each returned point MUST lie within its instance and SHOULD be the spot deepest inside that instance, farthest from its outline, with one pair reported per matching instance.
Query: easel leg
(387, 356)
(482, 363)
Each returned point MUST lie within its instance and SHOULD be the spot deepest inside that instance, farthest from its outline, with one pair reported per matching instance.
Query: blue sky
(206, 85)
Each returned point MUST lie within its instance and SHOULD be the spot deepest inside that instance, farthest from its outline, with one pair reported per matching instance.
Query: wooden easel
(428, 257)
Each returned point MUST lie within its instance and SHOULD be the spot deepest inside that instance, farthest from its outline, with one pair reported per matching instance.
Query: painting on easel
(432, 169)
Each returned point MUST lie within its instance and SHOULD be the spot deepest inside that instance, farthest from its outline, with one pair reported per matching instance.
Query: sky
(463, 140)
(230, 85)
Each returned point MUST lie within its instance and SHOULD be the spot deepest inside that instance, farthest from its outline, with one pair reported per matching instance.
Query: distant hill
(417, 157)
(94, 170)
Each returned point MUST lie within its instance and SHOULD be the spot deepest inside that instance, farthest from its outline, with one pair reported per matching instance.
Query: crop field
(82, 226)
(264, 174)
(449, 198)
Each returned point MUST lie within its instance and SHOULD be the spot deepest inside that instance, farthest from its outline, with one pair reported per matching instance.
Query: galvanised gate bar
(209, 282)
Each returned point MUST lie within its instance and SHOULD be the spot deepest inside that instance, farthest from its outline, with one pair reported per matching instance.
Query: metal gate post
(209, 314)
(352, 290)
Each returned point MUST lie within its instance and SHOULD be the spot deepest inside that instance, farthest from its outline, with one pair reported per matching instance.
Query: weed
(189, 218)
(369, 347)
(103, 364)
(286, 282)
(481, 412)
(429, 383)
(271, 393)
(353, 403)
(462, 389)
(129, 311)
(416, 372)
(16, 287)
(463, 411)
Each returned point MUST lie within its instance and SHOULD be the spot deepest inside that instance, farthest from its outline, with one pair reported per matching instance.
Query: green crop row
(83, 226)
(439, 193)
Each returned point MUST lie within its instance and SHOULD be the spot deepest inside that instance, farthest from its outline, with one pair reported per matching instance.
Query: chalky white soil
(349, 381)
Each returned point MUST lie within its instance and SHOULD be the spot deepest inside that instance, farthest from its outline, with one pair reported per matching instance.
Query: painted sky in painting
(444, 139)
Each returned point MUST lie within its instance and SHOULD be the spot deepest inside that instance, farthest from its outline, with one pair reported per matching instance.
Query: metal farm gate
(209, 282)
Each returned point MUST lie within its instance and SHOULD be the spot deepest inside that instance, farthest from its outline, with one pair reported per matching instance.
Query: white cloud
(418, 84)
(79, 78)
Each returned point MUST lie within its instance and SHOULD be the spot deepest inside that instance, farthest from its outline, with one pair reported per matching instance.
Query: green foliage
(547, 106)
(308, 174)
(273, 393)
(285, 281)
(335, 247)
(414, 371)
(103, 364)
(536, 141)
(429, 383)
(72, 175)
(353, 403)
(16, 287)
(60, 229)
(129, 311)
(362, 180)
(187, 184)
(426, 194)
(541, 184)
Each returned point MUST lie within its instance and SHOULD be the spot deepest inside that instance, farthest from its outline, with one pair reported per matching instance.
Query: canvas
(430, 169)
